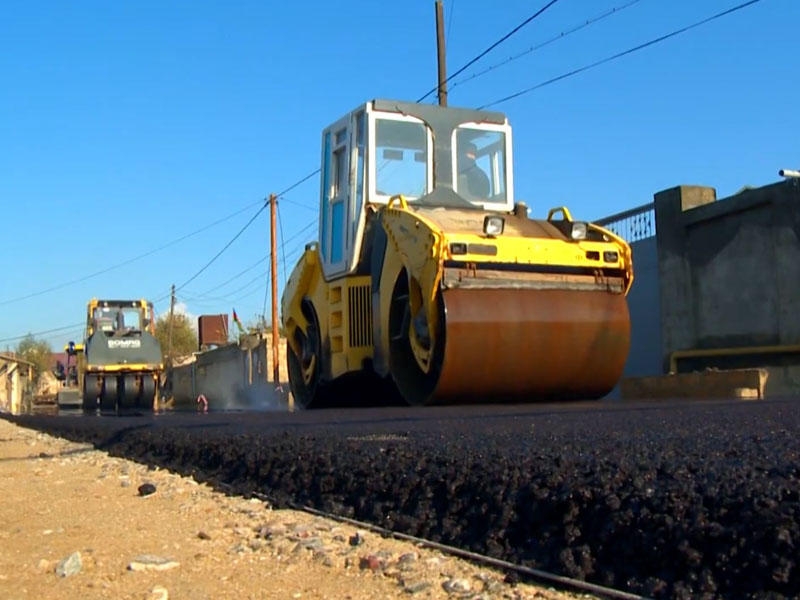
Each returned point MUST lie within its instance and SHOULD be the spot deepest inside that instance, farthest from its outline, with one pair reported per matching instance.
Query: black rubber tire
(90, 393)
(306, 395)
(129, 392)
(415, 386)
(109, 396)
(147, 397)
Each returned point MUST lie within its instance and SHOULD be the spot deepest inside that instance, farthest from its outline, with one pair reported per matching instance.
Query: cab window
(401, 158)
(480, 165)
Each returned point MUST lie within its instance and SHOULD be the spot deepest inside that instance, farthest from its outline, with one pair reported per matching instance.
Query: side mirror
(146, 322)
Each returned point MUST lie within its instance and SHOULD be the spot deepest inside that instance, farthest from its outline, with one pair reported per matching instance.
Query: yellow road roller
(429, 276)
(122, 361)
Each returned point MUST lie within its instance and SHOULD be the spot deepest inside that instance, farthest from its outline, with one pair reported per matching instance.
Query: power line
(160, 248)
(452, 10)
(238, 299)
(266, 292)
(297, 249)
(40, 333)
(227, 281)
(295, 184)
(621, 54)
(227, 296)
(283, 247)
(302, 244)
(128, 261)
(225, 247)
(493, 46)
(562, 35)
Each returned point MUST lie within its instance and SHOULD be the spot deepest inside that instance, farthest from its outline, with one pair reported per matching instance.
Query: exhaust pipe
(789, 173)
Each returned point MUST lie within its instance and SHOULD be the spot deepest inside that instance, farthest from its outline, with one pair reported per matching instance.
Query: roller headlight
(493, 225)
(579, 230)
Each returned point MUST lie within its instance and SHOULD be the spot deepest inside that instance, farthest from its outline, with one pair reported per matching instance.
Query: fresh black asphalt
(673, 500)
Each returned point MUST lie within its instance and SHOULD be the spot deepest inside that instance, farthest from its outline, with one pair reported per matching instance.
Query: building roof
(11, 357)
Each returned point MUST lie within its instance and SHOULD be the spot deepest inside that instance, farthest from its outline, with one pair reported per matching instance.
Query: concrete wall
(233, 377)
(730, 277)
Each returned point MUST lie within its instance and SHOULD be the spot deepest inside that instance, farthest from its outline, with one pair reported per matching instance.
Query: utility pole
(169, 329)
(441, 53)
(273, 238)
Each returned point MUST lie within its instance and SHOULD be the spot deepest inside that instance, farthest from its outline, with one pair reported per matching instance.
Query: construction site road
(676, 500)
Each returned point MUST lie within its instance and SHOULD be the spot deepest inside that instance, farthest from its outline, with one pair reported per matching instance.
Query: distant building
(16, 384)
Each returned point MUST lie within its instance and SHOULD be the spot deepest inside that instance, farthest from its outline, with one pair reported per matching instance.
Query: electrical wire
(128, 261)
(492, 47)
(266, 295)
(250, 282)
(263, 207)
(40, 333)
(316, 171)
(166, 295)
(621, 54)
(283, 247)
(297, 183)
(452, 10)
(561, 36)
(301, 246)
(227, 281)
(225, 247)
(162, 247)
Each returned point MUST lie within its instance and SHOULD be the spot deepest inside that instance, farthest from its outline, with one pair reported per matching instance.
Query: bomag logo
(119, 344)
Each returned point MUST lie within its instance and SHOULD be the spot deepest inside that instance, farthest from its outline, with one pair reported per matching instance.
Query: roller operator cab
(427, 274)
(123, 361)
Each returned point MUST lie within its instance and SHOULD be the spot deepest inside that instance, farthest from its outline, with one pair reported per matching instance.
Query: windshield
(115, 318)
(480, 164)
(401, 153)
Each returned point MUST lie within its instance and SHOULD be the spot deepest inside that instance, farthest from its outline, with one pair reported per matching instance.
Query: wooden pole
(441, 53)
(169, 329)
(273, 210)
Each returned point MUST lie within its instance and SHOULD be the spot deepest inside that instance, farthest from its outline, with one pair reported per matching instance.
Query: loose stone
(70, 566)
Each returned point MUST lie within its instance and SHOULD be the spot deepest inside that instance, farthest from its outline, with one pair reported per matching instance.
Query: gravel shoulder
(61, 499)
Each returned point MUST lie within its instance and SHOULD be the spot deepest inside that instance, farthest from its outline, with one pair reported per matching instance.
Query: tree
(35, 351)
(184, 336)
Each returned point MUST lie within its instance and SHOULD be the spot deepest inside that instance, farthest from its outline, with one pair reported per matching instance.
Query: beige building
(16, 384)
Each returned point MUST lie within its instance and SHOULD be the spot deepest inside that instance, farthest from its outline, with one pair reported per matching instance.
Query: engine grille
(360, 303)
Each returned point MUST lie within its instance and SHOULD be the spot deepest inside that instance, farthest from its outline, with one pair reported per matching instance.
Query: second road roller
(429, 275)
(122, 361)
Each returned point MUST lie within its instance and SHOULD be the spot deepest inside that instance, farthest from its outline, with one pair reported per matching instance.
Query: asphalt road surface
(678, 499)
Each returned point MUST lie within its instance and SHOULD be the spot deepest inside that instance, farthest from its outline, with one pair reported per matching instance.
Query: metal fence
(632, 225)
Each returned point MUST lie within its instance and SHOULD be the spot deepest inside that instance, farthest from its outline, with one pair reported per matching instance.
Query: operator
(472, 181)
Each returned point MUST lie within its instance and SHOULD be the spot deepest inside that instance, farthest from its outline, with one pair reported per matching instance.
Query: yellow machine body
(450, 297)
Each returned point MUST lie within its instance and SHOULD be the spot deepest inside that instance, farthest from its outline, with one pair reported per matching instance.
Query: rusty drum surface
(531, 344)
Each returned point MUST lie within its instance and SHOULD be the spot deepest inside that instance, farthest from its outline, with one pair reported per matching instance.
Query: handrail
(625, 214)
(559, 209)
(638, 223)
(401, 201)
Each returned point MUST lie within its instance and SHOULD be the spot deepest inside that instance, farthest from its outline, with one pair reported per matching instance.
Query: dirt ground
(75, 524)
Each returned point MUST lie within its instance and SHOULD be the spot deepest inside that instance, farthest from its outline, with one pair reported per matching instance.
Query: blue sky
(126, 127)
